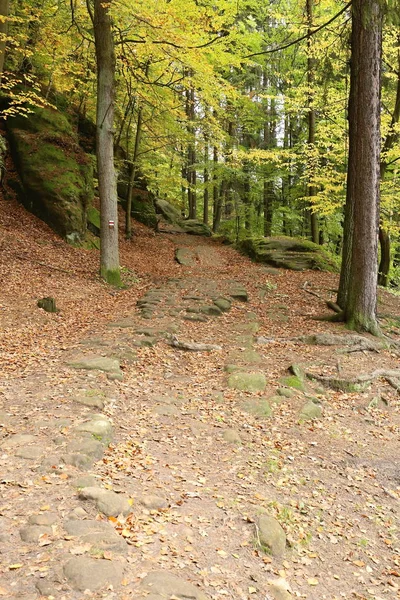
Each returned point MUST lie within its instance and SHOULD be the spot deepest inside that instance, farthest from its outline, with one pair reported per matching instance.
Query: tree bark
(206, 179)
(391, 139)
(363, 176)
(132, 174)
(311, 189)
(4, 8)
(105, 58)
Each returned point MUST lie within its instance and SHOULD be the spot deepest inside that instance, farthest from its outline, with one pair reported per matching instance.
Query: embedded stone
(85, 573)
(166, 585)
(152, 502)
(99, 426)
(311, 410)
(232, 436)
(80, 461)
(247, 382)
(270, 535)
(165, 410)
(211, 310)
(96, 363)
(32, 533)
(286, 392)
(30, 452)
(90, 447)
(19, 439)
(45, 518)
(108, 502)
(258, 407)
(222, 303)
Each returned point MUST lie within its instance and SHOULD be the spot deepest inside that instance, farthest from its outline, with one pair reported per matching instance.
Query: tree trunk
(105, 57)
(4, 7)
(206, 179)
(215, 189)
(363, 177)
(391, 139)
(311, 189)
(132, 174)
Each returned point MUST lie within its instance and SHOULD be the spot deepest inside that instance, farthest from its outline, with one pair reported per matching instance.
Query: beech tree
(105, 58)
(358, 281)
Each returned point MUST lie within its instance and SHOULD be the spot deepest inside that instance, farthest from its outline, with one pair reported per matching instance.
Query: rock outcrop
(56, 176)
(288, 253)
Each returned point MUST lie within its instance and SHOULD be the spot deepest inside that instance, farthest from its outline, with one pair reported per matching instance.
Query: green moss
(293, 382)
(288, 253)
(111, 276)
(56, 175)
(93, 217)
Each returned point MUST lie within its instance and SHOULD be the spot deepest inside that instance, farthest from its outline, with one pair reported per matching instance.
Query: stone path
(130, 472)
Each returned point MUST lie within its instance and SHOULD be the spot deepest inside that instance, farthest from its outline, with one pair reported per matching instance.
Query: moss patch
(288, 253)
(56, 175)
(293, 382)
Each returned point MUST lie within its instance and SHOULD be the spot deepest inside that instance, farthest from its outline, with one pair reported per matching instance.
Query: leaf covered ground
(198, 461)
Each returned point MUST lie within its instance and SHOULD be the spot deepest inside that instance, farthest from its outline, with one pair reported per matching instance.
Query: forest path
(153, 476)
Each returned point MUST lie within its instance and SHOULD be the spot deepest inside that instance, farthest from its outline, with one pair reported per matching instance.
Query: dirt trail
(150, 477)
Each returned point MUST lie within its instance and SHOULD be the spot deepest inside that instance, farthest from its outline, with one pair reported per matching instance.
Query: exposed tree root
(358, 383)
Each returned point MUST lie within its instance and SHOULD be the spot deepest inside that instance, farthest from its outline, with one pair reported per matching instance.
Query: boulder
(173, 216)
(56, 176)
(283, 252)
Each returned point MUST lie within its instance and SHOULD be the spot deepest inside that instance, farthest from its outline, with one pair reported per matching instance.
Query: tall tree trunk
(206, 179)
(4, 8)
(247, 197)
(132, 174)
(268, 184)
(215, 190)
(391, 139)
(363, 176)
(311, 189)
(105, 57)
(191, 163)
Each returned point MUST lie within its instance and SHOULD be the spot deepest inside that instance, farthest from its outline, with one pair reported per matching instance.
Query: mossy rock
(293, 382)
(288, 253)
(56, 175)
(93, 220)
(259, 407)
(247, 382)
(173, 215)
(311, 410)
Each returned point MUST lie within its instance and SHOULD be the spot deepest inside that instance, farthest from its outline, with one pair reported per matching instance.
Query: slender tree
(105, 57)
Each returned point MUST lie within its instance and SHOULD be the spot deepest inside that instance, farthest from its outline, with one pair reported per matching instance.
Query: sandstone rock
(152, 502)
(30, 452)
(108, 502)
(99, 426)
(311, 410)
(45, 518)
(96, 363)
(258, 407)
(166, 585)
(84, 573)
(247, 382)
(19, 439)
(232, 436)
(32, 533)
(270, 535)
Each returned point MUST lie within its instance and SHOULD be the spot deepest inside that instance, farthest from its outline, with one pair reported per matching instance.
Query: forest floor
(153, 478)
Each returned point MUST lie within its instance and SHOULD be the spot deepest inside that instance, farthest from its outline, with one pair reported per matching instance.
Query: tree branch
(303, 37)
